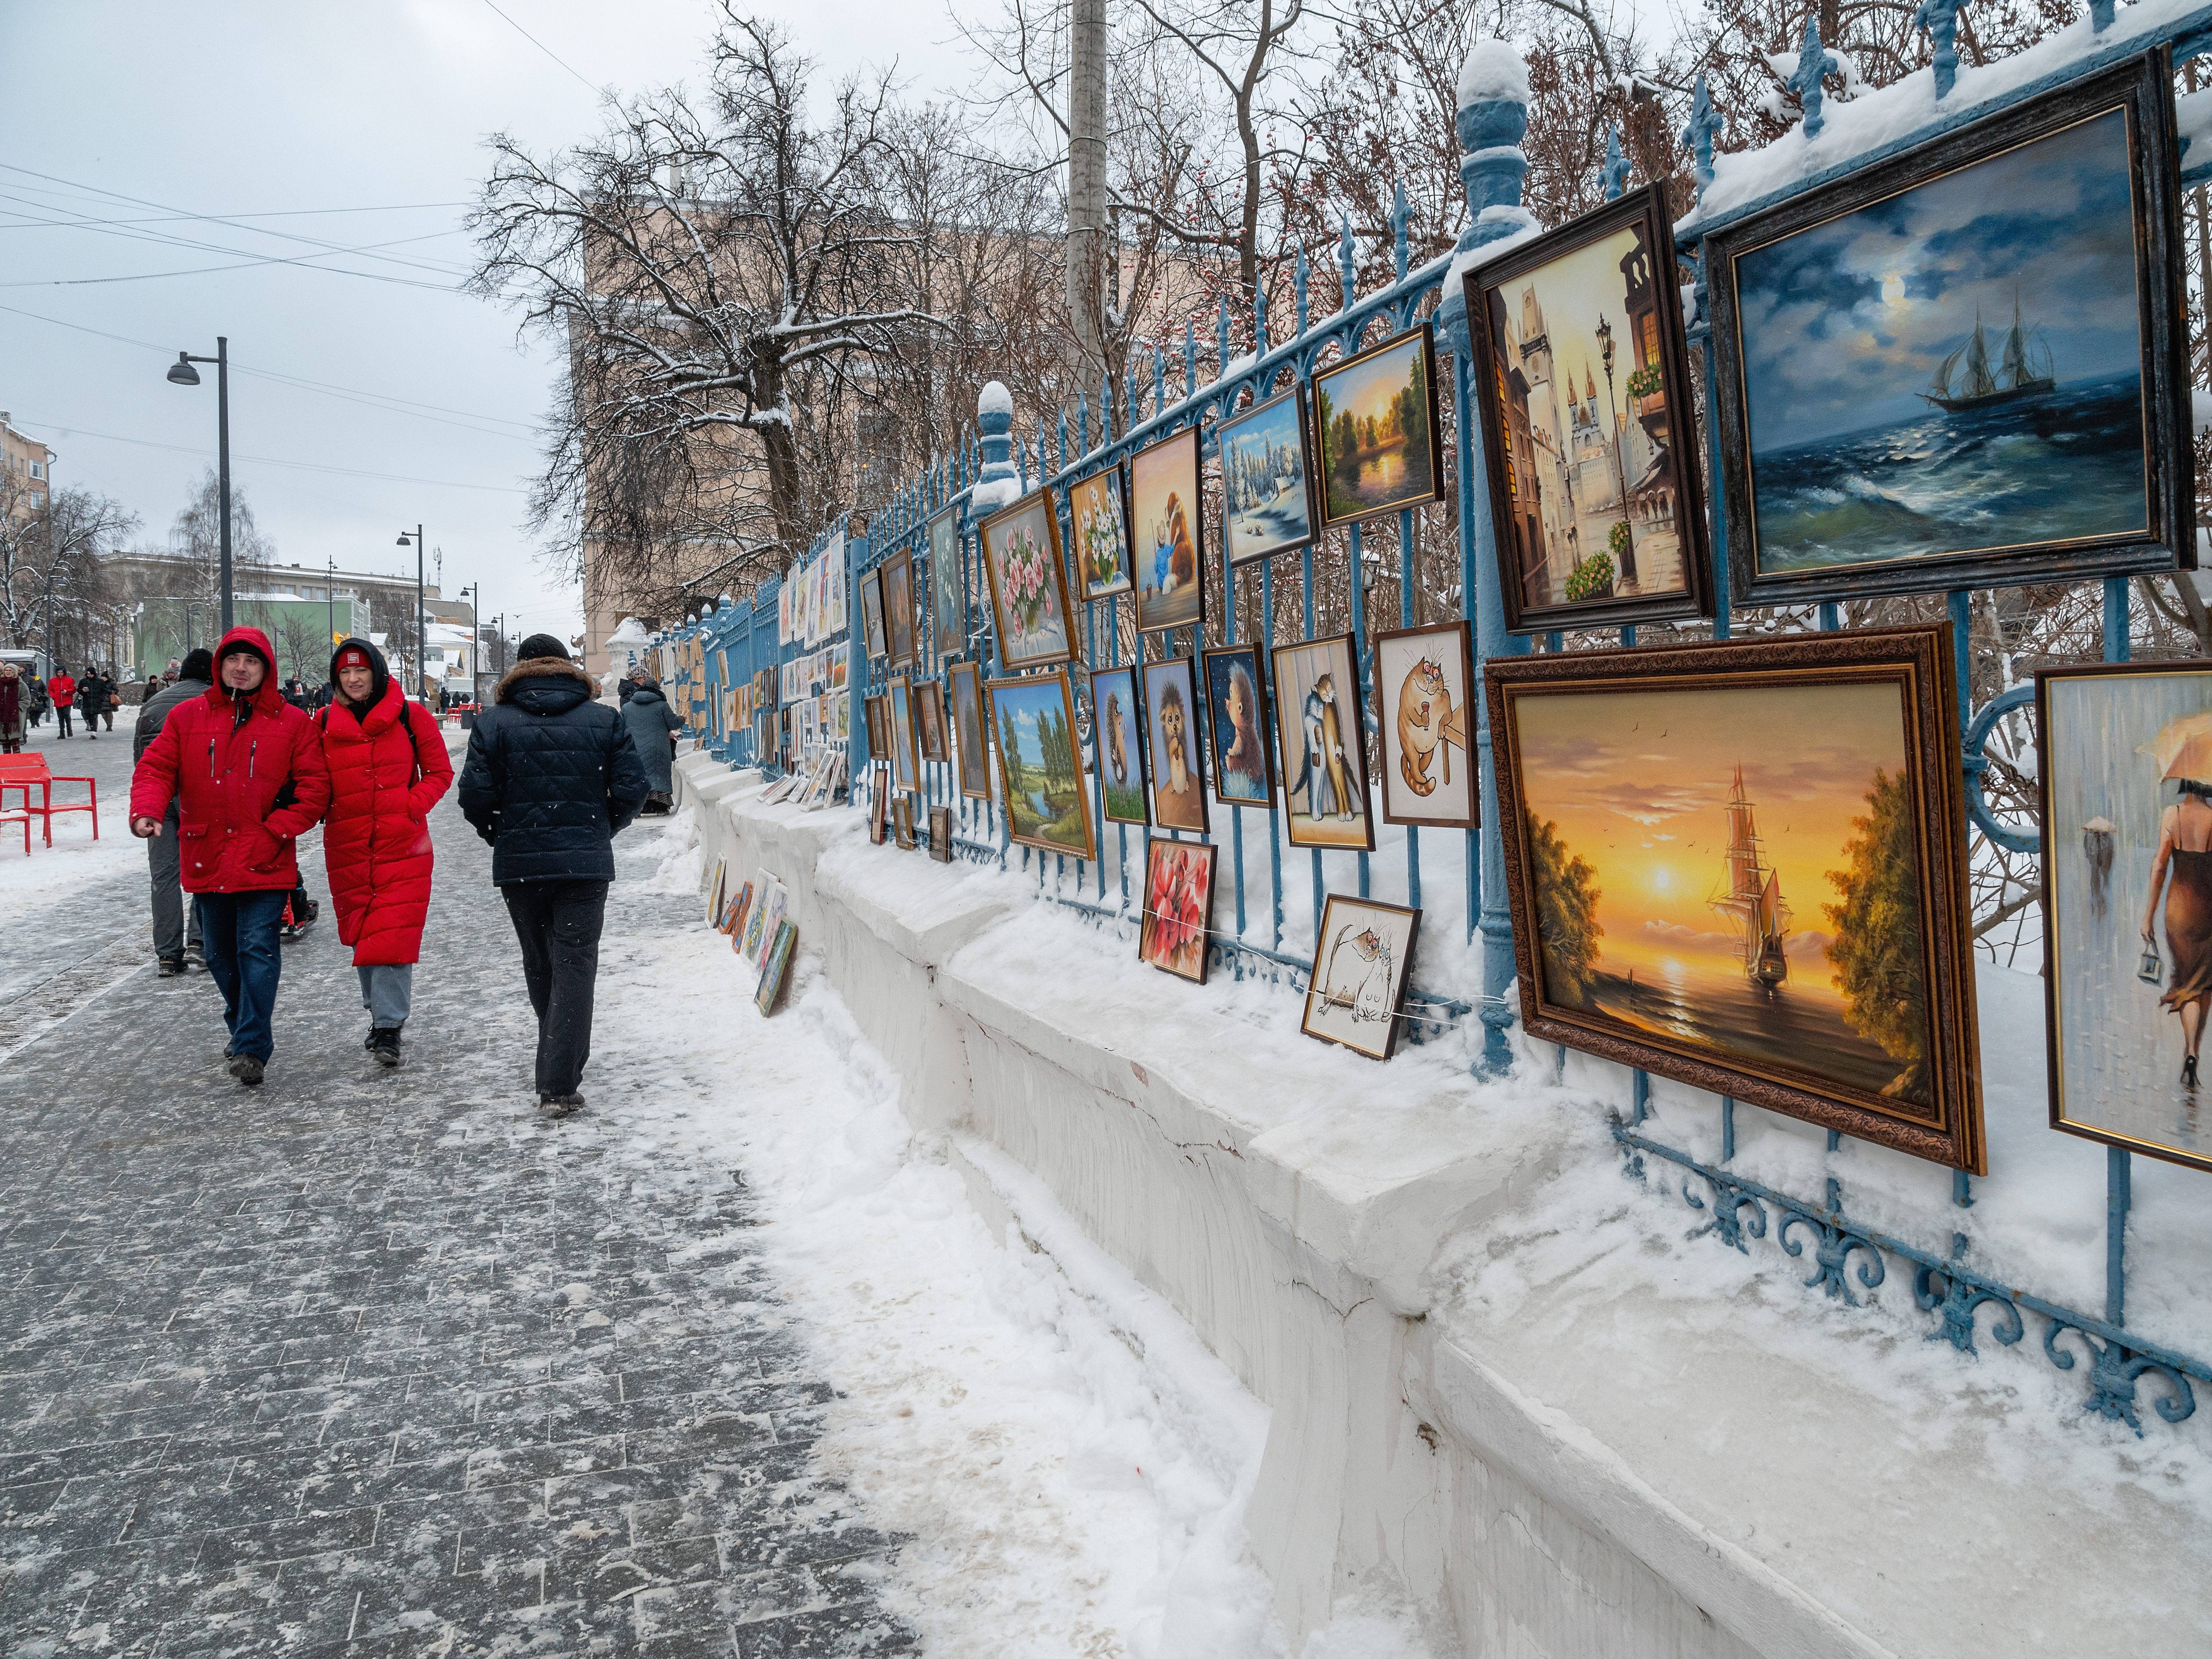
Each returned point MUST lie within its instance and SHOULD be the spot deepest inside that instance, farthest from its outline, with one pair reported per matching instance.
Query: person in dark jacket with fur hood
(652, 725)
(551, 776)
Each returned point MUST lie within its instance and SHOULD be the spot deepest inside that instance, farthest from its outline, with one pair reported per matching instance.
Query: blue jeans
(387, 992)
(238, 933)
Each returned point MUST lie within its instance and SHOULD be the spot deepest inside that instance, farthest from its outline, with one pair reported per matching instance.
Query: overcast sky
(360, 123)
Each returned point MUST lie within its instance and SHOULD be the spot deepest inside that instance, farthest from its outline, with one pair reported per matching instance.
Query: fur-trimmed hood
(541, 668)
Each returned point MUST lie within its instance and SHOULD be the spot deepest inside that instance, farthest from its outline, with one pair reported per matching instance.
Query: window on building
(37, 469)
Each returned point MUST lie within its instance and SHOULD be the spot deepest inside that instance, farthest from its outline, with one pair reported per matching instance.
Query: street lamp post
(1619, 464)
(181, 373)
(421, 630)
(475, 645)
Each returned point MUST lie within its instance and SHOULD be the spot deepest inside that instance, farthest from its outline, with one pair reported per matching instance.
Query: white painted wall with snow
(1511, 1409)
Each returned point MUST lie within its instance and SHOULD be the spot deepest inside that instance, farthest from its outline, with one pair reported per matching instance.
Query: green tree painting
(1877, 950)
(1566, 913)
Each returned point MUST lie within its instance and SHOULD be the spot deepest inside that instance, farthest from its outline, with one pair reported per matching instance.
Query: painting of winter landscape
(1954, 369)
(2127, 841)
(1266, 506)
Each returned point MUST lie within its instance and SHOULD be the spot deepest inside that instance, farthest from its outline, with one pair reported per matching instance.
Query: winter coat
(155, 713)
(650, 719)
(376, 840)
(61, 688)
(15, 704)
(40, 701)
(92, 692)
(247, 773)
(551, 776)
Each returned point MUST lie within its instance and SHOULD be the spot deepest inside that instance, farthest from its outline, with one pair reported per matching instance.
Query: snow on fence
(1458, 876)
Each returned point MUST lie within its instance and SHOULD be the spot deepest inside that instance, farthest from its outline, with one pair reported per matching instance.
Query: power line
(283, 213)
(73, 432)
(539, 44)
(170, 239)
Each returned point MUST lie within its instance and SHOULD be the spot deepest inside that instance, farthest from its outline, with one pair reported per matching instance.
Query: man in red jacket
(61, 686)
(247, 770)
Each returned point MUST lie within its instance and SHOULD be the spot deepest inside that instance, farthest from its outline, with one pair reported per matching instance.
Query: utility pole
(1086, 177)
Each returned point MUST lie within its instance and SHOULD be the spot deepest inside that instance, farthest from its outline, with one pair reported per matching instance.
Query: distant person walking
(652, 726)
(15, 704)
(92, 692)
(61, 686)
(388, 767)
(551, 776)
(176, 926)
(39, 700)
(262, 785)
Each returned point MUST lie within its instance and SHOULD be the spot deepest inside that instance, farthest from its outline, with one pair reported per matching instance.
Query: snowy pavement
(371, 1362)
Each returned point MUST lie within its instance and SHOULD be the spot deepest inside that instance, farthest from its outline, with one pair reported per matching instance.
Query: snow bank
(1493, 69)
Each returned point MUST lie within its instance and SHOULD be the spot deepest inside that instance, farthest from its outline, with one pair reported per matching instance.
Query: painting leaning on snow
(1957, 368)
(2127, 901)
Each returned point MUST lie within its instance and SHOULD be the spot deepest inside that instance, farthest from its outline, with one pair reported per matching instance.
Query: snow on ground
(76, 860)
(1070, 1462)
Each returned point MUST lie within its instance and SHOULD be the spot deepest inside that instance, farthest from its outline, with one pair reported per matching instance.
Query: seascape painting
(1040, 764)
(1375, 429)
(1100, 518)
(1323, 739)
(944, 587)
(1178, 907)
(1168, 527)
(2127, 860)
(969, 747)
(1120, 745)
(1733, 871)
(1266, 502)
(1955, 369)
(1423, 678)
(1029, 588)
(1356, 993)
(1237, 718)
(1172, 746)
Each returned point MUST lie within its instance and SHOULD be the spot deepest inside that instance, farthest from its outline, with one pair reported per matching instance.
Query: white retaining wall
(1595, 1491)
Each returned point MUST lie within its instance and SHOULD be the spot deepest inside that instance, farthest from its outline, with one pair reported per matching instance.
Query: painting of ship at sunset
(1739, 879)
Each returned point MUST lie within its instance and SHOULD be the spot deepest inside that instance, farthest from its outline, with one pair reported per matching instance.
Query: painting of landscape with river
(1375, 424)
(1732, 873)
(1039, 764)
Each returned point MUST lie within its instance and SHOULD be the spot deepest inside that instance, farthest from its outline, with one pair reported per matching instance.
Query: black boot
(384, 1044)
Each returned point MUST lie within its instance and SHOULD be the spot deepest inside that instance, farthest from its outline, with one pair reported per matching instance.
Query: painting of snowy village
(1583, 331)
(1731, 869)
(1954, 369)
(2127, 860)
(1266, 505)
(1375, 426)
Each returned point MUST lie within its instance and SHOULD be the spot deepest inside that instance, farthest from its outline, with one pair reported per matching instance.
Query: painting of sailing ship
(1955, 369)
(1730, 866)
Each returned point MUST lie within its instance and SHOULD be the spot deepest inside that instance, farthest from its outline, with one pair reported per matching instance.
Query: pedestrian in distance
(552, 775)
(14, 705)
(262, 784)
(176, 926)
(40, 701)
(94, 692)
(653, 725)
(388, 768)
(61, 686)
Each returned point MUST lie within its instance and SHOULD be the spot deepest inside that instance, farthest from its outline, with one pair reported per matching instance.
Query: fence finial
(1259, 321)
(1492, 119)
(1345, 271)
(995, 415)
(1938, 21)
(1190, 356)
(2101, 15)
(1399, 217)
(1298, 286)
(1221, 338)
(1082, 420)
(1616, 167)
(1814, 61)
(1697, 136)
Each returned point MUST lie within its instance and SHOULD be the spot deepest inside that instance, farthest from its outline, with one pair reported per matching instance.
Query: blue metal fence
(996, 467)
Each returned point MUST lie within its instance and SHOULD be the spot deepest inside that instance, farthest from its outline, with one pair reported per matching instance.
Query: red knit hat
(353, 657)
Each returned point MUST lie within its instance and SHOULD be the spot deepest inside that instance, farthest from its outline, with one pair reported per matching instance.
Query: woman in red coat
(387, 766)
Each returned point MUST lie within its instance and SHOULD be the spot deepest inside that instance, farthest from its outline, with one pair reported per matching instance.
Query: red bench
(29, 772)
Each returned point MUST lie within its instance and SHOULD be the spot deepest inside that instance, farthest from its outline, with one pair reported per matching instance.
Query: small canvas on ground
(777, 969)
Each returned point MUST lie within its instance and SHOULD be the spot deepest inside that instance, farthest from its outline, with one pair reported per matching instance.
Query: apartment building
(28, 466)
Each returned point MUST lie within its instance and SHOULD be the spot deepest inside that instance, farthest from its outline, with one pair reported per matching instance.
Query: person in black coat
(92, 692)
(551, 777)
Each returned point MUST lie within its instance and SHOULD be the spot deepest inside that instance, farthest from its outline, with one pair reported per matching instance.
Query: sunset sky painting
(1639, 785)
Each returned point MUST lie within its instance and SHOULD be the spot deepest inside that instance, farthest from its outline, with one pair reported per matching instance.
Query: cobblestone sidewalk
(373, 1364)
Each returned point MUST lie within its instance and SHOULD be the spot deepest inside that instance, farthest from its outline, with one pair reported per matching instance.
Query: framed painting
(1171, 745)
(1119, 725)
(902, 822)
(1266, 495)
(948, 607)
(1423, 687)
(1585, 403)
(871, 613)
(2126, 782)
(1375, 429)
(1355, 990)
(1040, 763)
(967, 730)
(1964, 367)
(1167, 524)
(940, 833)
(1321, 733)
(906, 761)
(1237, 721)
(778, 900)
(1744, 867)
(929, 720)
(1098, 510)
(880, 795)
(1178, 907)
(777, 969)
(878, 726)
(898, 573)
(1029, 584)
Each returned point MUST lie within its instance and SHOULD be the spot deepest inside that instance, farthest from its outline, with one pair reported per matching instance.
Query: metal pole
(422, 631)
(223, 461)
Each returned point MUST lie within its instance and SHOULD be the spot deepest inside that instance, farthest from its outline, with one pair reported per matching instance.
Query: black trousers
(558, 924)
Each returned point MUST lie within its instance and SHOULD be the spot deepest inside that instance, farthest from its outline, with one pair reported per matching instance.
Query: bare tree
(53, 585)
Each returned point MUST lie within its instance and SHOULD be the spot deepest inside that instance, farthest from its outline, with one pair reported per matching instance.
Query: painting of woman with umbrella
(2181, 869)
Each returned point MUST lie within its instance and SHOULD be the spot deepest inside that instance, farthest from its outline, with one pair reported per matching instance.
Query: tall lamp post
(1619, 464)
(475, 645)
(181, 373)
(421, 630)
